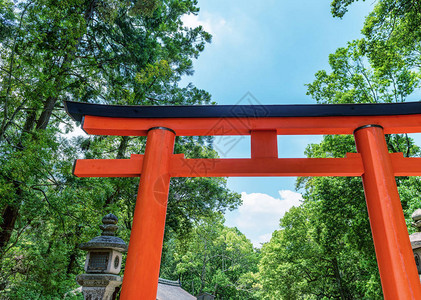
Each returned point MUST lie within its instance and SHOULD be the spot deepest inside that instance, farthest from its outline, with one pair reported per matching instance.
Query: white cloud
(76, 131)
(259, 214)
(215, 25)
(261, 239)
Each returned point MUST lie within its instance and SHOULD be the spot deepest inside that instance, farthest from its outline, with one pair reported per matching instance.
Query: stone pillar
(103, 262)
(415, 239)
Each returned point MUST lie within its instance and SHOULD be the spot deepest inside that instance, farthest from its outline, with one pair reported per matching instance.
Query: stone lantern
(415, 239)
(103, 262)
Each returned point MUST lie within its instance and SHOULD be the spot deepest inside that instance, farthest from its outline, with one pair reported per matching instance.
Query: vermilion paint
(244, 126)
(395, 258)
(144, 255)
(373, 162)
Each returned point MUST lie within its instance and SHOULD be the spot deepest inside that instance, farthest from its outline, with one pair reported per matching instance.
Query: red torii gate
(367, 122)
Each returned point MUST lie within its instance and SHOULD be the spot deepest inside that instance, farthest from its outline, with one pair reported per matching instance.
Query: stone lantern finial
(109, 226)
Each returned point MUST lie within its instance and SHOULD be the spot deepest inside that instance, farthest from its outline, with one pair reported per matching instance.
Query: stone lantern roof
(415, 238)
(107, 239)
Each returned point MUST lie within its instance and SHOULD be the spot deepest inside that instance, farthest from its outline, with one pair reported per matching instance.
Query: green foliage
(216, 259)
(340, 7)
(113, 52)
(145, 7)
(392, 32)
(354, 80)
(324, 247)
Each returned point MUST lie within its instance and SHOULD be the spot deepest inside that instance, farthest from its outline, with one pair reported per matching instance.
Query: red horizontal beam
(108, 167)
(405, 166)
(267, 167)
(181, 167)
(244, 126)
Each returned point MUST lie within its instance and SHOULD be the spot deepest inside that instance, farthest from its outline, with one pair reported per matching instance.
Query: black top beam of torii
(77, 110)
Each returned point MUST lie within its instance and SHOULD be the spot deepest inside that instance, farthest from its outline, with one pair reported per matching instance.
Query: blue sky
(264, 52)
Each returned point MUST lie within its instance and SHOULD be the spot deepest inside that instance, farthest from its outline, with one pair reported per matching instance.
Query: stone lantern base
(98, 286)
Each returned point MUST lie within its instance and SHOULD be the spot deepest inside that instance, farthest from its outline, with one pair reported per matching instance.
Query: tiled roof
(171, 290)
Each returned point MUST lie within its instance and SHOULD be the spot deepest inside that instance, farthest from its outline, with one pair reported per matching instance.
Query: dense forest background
(135, 53)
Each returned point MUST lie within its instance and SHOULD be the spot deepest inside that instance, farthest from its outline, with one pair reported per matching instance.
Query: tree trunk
(122, 148)
(9, 216)
(342, 291)
(203, 275)
(11, 212)
(74, 252)
(51, 101)
(47, 110)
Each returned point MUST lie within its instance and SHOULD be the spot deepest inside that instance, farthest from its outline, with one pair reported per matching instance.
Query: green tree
(392, 32)
(113, 52)
(89, 51)
(218, 260)
(355, 79)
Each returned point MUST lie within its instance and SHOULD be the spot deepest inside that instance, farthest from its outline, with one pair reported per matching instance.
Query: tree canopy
(111, 52)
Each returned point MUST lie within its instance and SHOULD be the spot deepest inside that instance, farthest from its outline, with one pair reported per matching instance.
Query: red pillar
(394, 254)
(144, 256)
